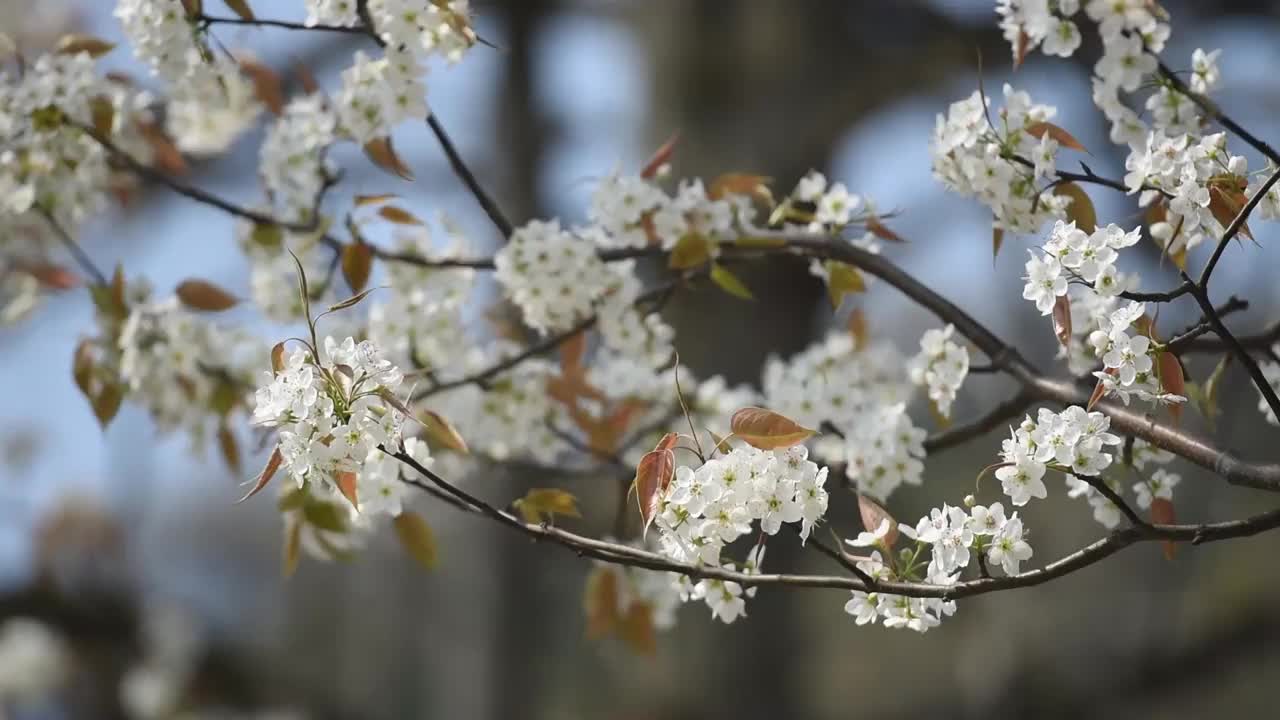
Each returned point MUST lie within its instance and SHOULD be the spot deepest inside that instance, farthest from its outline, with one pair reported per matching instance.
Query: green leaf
(325, 515)
(416, 537)
(692, 250)
(843, 279)
(729, 282)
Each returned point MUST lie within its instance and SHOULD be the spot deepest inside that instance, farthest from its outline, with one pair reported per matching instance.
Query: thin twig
(81, 257)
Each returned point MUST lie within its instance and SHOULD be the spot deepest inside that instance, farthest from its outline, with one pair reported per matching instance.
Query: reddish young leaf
(241, 8)
(441, 432)
(1062, 320)
(107, 403)
(997, 239)
(873, 514)
(347, 481)
(767, 430)
(653, 475)
(661, 157)
(600, 602)
(204, 295)
(164, 154)
(1099, 390)
(266, 85)
(1162, 514)
(398, 216)
(882, 231)
(357, 264)
(637, 630)
(1226, 202)
(264, 477)
(306, 79)
(383, 154)
(229, 447)
(415, 535)
(54, 277)
(1172, 380)
(754, 186)
(277, 358)
(1020, 53)
(1081, 210)
(1039, 129)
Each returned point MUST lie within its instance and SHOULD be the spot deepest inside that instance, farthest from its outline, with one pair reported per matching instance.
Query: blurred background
(112, 535)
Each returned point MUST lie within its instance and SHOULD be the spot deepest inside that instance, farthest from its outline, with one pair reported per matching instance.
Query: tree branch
(635, 557)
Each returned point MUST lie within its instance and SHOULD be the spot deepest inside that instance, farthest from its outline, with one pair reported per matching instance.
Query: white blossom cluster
(941, 366)
(1047, 24)
(291, 160)
(331, 418)
(418, 321)
(1091, 311)
(47, 161)
(1073, 441)
(182, 367)
(973, 158)
(897, 611)
(705, 509)
(35, 660)
(862, 393)
(834, 207)
(1071, 253)
(1159, 483)
(1192, 170)
(954, 537)
(376, 95)
(1129, 360)
(273, 276)
(210, 101)
(726, 598)
(551, 275)
(421, 27)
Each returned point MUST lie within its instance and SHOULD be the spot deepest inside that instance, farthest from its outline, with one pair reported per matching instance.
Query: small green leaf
(325, 515)
(729, 282)
(843, 279)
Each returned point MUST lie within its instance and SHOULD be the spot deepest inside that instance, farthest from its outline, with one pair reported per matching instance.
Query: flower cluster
(49, 163)
(332, 416)
(211, 102)
(183, 368)
(376, 95)
(1073, 441)
(419, 321)
(707, 508)
(941, 365)
(897, 611)
(1129, 361)
(1073, 253)
(554, 277)
(726, 598)
(422, 27)
(1159, 484)
(1028, 24)
(291, 161)
(34, 661)
(1000, 164)
(1197, 175)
